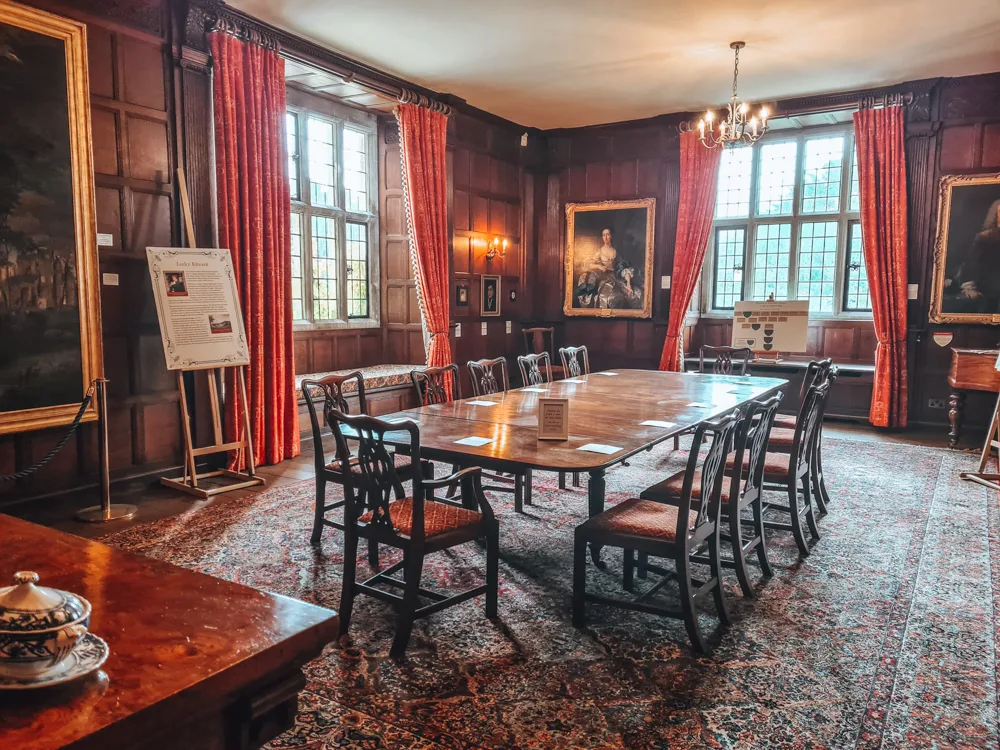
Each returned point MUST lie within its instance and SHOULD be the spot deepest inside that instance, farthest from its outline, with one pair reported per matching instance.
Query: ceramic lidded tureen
(38, 626)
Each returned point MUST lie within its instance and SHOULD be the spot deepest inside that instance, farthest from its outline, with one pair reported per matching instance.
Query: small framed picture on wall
(490, 298)
(462, 295)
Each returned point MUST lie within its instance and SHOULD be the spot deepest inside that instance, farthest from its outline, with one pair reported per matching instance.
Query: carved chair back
(729, 360)
(431, 384)
(538, 340)
(536, 369)
(483, 374)
(695, 511)
(375, 482)
(809, 421)
(575, 361)
(333, 389)
(751, 447)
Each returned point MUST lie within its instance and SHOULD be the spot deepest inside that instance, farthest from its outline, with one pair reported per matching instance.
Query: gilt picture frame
(609, 259)
(966, 286)
(50, 317)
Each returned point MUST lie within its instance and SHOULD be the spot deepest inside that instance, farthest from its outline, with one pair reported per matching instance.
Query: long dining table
(605, 408)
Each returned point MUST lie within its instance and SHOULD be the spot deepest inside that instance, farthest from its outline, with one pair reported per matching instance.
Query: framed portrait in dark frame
(489, 300)
(966, 286)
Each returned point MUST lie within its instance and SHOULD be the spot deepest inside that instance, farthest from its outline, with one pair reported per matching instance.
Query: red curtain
(423, 137)
(882, 181)
(699, 179)
(254, 210)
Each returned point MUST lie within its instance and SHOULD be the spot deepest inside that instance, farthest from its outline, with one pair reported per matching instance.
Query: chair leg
(527, 488)
(824, 495)
(687, 601)
(413, 567)
(492, 569)
(819, 486)
(373, 553)
(519, 493)
(715, 565)
(454, 487)
(317, 531)
(739, 560)
(579, 579)
(562, 480)
(807, 501)
(628, 568)
(758, 528)
(643, 560)
(347, 590)
(677, 442)
(576, 479)
(793, 506)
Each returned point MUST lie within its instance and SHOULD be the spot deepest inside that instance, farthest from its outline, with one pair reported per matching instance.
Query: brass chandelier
(737, 128)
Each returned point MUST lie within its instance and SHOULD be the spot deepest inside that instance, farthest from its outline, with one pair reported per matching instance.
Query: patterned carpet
(885, 637)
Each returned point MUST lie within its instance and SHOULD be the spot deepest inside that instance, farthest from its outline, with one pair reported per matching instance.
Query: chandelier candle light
(736, 128)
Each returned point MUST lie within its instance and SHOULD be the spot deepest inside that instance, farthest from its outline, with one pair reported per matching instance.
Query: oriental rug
(884, 637)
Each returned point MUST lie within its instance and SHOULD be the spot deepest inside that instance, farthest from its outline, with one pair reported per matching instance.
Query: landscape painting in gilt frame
(967, 251)
(609, 259)
(49, 306)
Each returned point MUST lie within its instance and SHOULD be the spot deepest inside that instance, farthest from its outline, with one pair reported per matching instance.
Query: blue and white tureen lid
(27, 608)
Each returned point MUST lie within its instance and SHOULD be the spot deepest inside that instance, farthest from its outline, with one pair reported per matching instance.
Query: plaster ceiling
(567, 63)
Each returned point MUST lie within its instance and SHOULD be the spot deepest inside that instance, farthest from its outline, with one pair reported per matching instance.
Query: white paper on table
(607, 374)
(534, 390)
(397, 420)
(572, 380)
(607, 450)
(474, 441)
(483, 403)
(657, 423)
(701, 405)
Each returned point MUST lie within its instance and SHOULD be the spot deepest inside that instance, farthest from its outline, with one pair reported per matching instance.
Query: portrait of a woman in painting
(967, 254)
(609, 258)
(49, 319)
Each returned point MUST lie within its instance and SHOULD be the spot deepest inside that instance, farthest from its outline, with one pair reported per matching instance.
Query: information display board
(198, 305)
(772, 326)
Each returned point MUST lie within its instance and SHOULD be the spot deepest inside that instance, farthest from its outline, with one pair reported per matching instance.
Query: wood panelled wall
(637, 160)
(133, 120)
(487, 201)
(954, 129)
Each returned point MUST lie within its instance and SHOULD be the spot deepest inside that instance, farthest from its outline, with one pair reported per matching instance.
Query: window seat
(388, 389)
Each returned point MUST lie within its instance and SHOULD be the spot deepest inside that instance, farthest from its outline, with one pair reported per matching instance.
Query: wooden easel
(244, 446)
(992, 443)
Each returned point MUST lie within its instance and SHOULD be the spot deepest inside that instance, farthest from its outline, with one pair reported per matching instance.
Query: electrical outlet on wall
(458, 330)
(935, 403)
(484, 328)
(509, 327)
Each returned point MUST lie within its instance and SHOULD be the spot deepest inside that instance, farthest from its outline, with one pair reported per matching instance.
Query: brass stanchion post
(105, 511)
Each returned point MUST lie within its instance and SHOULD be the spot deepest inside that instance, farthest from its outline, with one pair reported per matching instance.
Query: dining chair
(538, 340)
(377, 508)
(333, 390)
(740, 492)
(725, 360)
(671, 531)
(575, 361)
(791, 473)
(818, 371)
(536, 369)
(489, 377)
(430, 386)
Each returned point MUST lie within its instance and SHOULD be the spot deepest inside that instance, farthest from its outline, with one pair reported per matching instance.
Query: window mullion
(752, 218)
(796, 219)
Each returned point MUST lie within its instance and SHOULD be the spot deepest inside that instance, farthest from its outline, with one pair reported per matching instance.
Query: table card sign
(772, 326)
(197, 303)
(553, 419)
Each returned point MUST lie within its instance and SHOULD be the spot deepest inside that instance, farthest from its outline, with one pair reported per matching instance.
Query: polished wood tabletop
(195, 661)
(603, 408)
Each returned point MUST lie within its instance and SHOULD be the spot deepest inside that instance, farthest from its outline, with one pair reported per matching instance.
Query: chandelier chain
(736, 71)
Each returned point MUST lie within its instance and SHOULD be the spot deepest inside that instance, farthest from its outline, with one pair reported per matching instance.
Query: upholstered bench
(387, 389)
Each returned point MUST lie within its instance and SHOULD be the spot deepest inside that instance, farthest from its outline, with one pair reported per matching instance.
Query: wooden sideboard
(195, 662)
(971, 370)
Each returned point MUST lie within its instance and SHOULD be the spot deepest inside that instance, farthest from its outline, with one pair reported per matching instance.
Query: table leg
(956, 413)
(595, 496)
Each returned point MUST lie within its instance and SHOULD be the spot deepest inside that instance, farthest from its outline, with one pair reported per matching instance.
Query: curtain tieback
(432, 334)
(673, 335)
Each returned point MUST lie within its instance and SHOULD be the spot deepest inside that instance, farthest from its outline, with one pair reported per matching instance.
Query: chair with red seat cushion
(335, 389)
(739, 493)
(679, 532)
(783, 436)
(419, 524)
(792, 472)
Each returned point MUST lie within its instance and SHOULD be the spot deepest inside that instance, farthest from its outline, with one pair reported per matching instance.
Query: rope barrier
(25, 473)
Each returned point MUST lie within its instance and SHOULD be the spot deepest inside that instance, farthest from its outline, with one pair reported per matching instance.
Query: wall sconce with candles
(495, 248)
